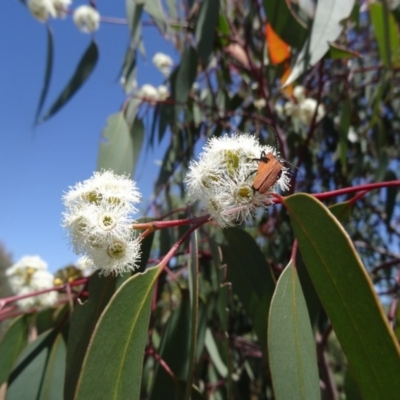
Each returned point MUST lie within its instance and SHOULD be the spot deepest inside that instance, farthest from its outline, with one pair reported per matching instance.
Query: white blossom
(303, 108)
(29, 275)
(98, 217)
(223, 178)
(85, 265)
(87, 19)
(149, 93)
(42, 10)
(61, 6)
(260, 103)
(163, 92)
(163, 62)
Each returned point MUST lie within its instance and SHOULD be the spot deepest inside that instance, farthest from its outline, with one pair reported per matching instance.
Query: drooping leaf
(155, 10)
(82, 72)
(205, 29)
(325, 29)
(184, 76)
(112, 368)
(347, 296)
(137, 134)
(291, 345)
(193, 280)
(386, 34)
(116, 149)
(14, 341)
(251, 278)
(47, 74)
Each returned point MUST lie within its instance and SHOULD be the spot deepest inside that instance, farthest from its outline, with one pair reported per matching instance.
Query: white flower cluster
(152, 94)
(30, 275)
(223, 178)
(87, 19)
(98, 218)
(302, 108)
(42, 10)
(163, 62)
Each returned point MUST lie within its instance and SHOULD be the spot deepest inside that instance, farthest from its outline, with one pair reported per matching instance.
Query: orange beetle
(268, 172)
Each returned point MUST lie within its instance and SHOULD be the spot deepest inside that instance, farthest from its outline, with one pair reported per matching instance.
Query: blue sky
(37, 166)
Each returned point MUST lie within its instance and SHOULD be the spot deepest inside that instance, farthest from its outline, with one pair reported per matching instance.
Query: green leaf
(285, 23)
(48, 72)
(39, 371)
(251, 278)
(342, 211)
(184, 76)
(386, 34)
(193, 280)
(326, 28)
(14, 341)
(55, 370)
(291, 345)
(155, 10)
(116, 149)
(214, 354)
(347, 296)
(205, 29)
(338, 52)
(113, 365)
(343, 132)
(137, 136)
(83, 321)
(82, 72)
(176, 336)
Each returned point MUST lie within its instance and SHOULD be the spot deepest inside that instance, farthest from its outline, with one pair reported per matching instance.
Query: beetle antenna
(277, 145)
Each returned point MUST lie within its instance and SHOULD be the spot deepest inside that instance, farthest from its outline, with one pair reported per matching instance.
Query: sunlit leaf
(116, 148)
(326, 28)
(291, 345)
(112, 368)
(386, 33)
(347, 296)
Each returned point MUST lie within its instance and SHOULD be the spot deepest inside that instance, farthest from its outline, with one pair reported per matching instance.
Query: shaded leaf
(251, 278)
(339, 52)
(48, 73)
(184, 76)
(112, 368)
(137, 136)
(347, 296)
(291, 345)
(39, 371)
(205, 29)
(326, 28)
(82, 72)
(176, 336)
(14, 341)
(116, 149)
